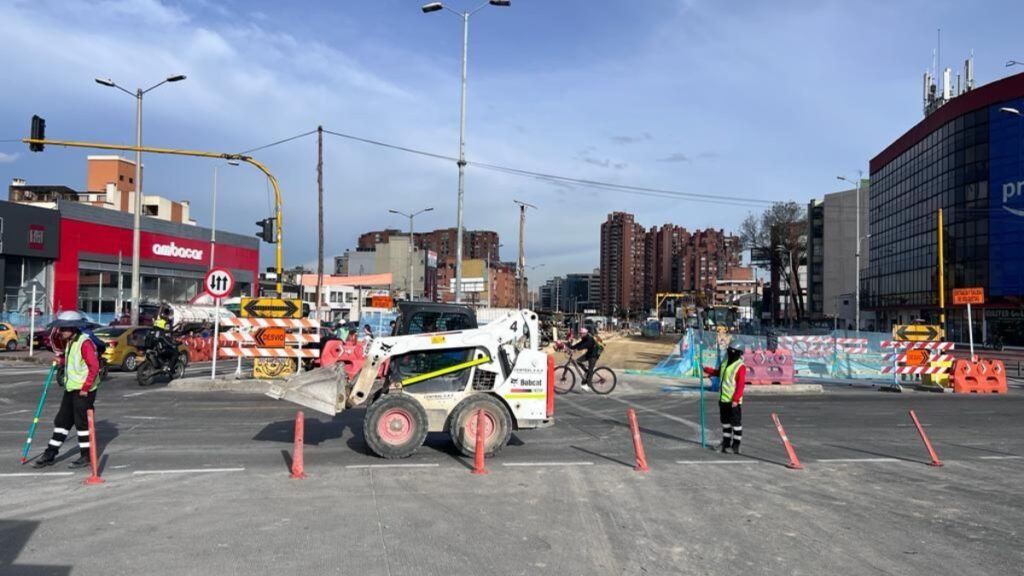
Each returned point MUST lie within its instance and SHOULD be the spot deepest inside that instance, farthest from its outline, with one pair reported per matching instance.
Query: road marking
(1000, 457)
(689, 423)
(524, 464)
(186, 471)
(15, 412)
(359, 466)
(717, 462)
(34, 474)
(146, 418)
(835, 460)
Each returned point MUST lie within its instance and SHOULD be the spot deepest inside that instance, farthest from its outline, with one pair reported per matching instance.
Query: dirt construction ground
(633, 352)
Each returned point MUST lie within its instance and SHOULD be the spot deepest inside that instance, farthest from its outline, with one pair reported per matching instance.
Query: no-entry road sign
(219, 282)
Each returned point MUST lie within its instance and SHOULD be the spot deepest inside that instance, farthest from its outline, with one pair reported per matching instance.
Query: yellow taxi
(8, 337)
(124, 345)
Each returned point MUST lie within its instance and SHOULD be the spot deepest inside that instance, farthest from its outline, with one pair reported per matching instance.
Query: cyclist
(589, 358)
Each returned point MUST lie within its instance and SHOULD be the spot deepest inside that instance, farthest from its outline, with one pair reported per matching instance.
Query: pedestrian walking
(732, 379)
(80, 379)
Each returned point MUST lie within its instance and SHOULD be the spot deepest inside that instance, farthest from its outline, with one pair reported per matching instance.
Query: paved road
(197, 484)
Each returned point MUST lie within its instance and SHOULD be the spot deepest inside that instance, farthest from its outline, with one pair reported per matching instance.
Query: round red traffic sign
(219, 282)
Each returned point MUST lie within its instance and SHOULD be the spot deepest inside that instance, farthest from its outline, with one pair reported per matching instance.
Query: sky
(765, 101)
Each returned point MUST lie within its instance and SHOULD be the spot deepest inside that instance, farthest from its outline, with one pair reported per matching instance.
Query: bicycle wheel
(565, 379)
(603, 381)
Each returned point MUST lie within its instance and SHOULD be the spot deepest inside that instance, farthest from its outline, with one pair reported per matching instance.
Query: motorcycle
(160, 362)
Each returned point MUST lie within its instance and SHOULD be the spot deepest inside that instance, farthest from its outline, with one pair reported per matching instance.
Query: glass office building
(965, 158)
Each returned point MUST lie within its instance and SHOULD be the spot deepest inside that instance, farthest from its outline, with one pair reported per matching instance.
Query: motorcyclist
(163, 339)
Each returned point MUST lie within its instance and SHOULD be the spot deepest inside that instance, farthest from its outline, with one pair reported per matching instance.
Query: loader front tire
(395, 426)
(497, 424)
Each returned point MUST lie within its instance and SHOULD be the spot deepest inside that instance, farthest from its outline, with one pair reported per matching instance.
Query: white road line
(689, 423)
(834, 460)
(35, 474)
(135, 394)
(145, 418)
(15, 412)
(360, 466)
(718, 462)
(1000, 457)
(186, 471)
(525, 464)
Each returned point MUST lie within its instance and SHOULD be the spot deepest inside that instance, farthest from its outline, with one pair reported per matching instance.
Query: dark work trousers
(72, 412)
(589, 370)
(732, 424)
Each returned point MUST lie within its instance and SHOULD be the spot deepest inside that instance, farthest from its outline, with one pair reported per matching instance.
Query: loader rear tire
(395, 426)
(497, 424)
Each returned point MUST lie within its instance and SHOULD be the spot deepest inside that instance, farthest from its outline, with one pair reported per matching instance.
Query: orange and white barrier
(271, 322)
(979, 376)
(268, 353)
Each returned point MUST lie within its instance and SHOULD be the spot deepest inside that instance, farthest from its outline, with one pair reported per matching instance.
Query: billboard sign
(1006, 200)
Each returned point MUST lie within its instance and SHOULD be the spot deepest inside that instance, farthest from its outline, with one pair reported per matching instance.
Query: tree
(777, 240)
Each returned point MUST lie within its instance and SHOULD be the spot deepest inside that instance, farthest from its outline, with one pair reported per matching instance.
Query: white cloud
(8, 158)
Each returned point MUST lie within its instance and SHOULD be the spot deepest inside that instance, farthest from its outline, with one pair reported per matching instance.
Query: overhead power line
(279, 142)
(554, 178)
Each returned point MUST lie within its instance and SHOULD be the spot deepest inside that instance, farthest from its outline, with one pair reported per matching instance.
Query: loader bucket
(322, 389)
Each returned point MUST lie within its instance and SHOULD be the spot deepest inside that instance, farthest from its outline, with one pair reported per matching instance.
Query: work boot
(47, 459)
(725, 447)
(736, 449)
(82, 462)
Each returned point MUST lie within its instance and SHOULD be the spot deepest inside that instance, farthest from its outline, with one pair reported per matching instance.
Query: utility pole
(521, 287)
(319, 216)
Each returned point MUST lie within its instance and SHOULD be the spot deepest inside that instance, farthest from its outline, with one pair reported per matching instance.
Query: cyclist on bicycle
(589, 358)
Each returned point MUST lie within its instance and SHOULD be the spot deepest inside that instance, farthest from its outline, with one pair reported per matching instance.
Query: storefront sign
(172, 250)
(29, 231)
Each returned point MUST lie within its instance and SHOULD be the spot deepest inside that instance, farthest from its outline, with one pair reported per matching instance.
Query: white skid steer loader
(440, 381)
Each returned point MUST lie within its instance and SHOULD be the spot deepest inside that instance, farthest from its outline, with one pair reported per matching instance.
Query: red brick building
(475, 243)
(623, 265)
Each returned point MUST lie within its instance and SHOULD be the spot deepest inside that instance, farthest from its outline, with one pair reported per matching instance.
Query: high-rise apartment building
(623, 261)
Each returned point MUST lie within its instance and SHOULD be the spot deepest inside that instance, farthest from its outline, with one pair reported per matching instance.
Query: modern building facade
(966, 159)
(832, 255)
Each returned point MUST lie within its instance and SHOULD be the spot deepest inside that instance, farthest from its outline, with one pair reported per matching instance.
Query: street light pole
(409, 295)
(856, 298)
(137, 221)
(434, 7)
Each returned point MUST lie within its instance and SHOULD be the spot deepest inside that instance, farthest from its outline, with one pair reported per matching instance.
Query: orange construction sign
(271, 337)
(916, 358)
(962, 296)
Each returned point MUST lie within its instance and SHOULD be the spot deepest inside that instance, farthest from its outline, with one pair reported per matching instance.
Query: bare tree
(778, 239)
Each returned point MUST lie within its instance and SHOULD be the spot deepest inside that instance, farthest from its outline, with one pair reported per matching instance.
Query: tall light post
(856, 298)
(410, 217)
(434, 7)
(213, 216)
(136, 227)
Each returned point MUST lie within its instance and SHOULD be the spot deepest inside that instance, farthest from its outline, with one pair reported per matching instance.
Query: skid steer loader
(436, 382)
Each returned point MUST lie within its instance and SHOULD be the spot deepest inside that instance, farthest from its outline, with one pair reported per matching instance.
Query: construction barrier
(272, 352)
(94, 464)
(766, 367)
(794, 462)
(979, 376)
(638, 444)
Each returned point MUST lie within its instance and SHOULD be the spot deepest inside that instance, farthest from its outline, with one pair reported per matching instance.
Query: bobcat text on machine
(439, 381)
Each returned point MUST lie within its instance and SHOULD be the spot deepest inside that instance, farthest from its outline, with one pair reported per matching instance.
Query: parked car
(8, 337)
(125, 346)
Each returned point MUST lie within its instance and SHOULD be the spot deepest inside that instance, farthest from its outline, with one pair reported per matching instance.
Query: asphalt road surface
(197, 483)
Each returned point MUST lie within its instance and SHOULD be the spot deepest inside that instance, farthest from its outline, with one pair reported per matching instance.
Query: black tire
(565, 379)
(179, 369)
(130, 363)
(395, 426)
(497, 424)
(603, 381)
(12, 345)
(146, 373)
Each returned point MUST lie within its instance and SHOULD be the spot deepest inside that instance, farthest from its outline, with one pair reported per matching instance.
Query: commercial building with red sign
(92, 272)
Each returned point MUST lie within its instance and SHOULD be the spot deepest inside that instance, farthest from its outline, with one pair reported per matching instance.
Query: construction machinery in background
(437, 382)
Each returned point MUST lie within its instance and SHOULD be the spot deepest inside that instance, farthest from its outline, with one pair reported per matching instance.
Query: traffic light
(38, 133)
(268, 230)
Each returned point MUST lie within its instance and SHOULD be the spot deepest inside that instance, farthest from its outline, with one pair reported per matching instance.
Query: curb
(202, 384)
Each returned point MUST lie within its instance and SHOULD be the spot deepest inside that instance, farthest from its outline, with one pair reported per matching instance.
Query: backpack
(100, 345)
(598, 346)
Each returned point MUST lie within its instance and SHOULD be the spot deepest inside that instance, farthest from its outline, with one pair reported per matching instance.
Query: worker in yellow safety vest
(732, 379)
(81, 378)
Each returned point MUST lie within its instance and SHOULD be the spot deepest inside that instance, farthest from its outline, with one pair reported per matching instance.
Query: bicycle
(601, 382)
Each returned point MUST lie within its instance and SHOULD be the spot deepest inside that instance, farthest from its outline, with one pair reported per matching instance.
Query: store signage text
(1011, 189)
(174, 251)
(36, 236)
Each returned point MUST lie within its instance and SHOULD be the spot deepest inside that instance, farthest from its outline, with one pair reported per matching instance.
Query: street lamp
(435, 7)
(136, 227)
(213, 216)
(410, 217)
(856, 299)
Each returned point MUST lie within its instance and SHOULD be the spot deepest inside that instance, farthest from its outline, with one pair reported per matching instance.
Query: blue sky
(745, 98)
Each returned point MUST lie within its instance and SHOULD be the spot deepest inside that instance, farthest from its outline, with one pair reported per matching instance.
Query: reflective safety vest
(160, 324)
(728, 381)
(76, 371)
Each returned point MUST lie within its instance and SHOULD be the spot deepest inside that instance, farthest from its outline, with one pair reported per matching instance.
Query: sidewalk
(38, 356)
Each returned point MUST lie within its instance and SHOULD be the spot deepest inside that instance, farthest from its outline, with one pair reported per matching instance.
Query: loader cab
(427, 317)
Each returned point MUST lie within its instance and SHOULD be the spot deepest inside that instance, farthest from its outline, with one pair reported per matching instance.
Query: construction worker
(81, 378)
(732, 379)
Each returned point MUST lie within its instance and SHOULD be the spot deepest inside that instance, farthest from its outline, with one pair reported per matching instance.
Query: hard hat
(737, 346)
(70, 319)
